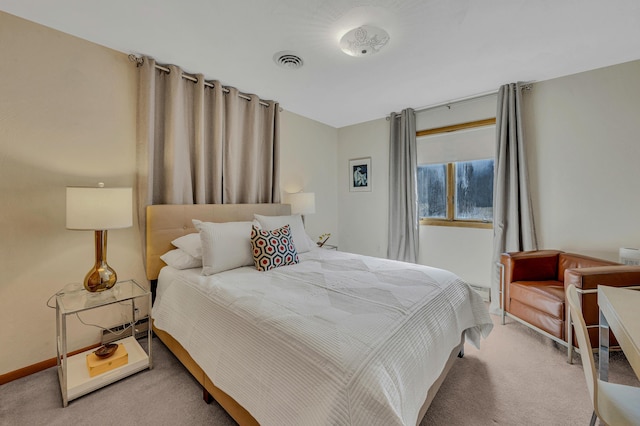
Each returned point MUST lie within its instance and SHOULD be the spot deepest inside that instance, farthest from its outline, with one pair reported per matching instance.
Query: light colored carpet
(165, 395)
(517, 378)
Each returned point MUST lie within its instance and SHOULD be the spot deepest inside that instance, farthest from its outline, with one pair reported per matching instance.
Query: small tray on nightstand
(329, 247)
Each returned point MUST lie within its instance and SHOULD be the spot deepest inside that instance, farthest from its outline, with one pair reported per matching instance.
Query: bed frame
(168, 222)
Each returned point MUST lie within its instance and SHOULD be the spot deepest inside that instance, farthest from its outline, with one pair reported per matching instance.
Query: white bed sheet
(339, 339)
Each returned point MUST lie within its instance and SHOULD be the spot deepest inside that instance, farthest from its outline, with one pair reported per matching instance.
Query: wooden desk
(620, 311)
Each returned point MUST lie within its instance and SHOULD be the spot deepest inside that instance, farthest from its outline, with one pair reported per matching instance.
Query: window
(455, 169)
(432, 191)
(456, 194)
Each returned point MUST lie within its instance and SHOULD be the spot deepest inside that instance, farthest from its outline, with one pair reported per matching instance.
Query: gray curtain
(513, 225)
(403, 188)
(197, 144)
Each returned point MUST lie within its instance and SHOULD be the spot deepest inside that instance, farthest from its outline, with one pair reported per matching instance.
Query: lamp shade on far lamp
(99, 209)
(302, 202)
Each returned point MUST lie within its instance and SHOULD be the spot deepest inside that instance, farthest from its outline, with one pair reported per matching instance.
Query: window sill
(457, 223)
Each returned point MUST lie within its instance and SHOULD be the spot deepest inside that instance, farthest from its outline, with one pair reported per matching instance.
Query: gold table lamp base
(102, 276)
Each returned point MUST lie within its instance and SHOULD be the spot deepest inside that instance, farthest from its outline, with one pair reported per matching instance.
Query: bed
(338, 338)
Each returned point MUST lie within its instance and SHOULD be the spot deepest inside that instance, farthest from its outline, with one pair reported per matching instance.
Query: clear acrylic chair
(614, 404)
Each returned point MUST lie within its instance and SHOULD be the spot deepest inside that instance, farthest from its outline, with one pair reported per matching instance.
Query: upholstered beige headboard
(166, 222)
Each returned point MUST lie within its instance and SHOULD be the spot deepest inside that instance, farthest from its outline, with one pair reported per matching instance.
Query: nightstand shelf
(78, 381)
(73, 372)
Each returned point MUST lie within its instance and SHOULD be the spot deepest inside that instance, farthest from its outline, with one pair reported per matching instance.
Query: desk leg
(569, 336)
(502, 295)
(603, 357)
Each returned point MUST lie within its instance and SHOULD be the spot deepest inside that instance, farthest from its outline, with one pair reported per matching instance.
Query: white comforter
(339, 339)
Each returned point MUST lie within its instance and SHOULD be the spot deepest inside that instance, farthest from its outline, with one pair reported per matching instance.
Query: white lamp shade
(99, 208)
(302, 202)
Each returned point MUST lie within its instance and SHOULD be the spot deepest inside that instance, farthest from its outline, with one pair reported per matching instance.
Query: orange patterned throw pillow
(273, 248)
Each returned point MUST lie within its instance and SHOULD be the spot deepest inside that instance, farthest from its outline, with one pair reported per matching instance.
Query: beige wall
(307, 162)
(583, 136)
(363, 216)
(67, 117)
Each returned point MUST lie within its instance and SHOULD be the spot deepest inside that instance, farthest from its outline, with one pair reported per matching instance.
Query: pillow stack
(188, 253)
(267, 242)
(224, 245)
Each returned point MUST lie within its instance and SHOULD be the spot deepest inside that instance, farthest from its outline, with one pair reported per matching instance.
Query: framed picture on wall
(360, 174)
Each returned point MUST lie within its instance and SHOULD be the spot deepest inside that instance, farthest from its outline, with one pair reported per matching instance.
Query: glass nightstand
(73, 372)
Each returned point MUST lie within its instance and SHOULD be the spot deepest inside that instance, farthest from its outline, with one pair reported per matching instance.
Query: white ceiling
(440, 50)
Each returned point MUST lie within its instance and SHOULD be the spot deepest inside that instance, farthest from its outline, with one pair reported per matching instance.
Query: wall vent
(288, 60)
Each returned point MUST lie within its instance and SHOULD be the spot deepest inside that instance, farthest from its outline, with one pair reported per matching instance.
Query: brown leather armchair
(533, 287)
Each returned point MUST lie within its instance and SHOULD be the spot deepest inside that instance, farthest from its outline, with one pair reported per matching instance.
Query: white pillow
(180, 259)
(300, 237)
(224, 245)
(312, 244)
(190, 243)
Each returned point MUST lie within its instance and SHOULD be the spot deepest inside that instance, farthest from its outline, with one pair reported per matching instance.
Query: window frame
(450, 220)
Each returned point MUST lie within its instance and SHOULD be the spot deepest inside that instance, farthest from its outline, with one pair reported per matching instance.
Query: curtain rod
(139, 61)
(524, 86)
(453, 101)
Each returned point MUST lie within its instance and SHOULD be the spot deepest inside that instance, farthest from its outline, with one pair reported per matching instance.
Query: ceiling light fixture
(364, 41)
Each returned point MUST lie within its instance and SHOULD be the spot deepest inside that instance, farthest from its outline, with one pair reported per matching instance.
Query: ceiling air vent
(288, 60)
